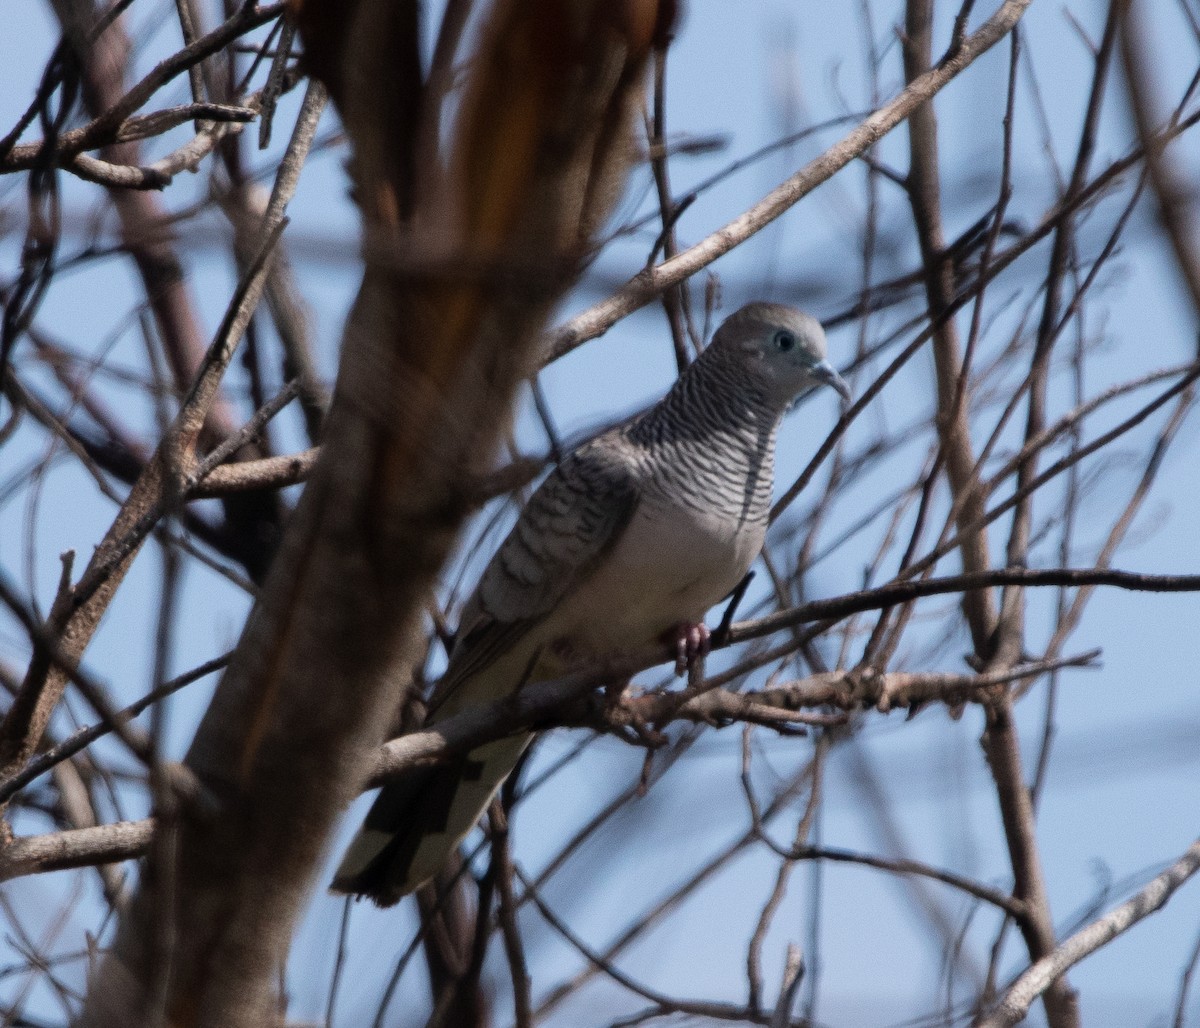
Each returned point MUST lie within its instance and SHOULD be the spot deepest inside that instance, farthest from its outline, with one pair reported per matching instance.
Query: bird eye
(784, 340)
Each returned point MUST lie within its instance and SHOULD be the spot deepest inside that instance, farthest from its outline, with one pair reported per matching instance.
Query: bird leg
(692, 640)
(721, 635)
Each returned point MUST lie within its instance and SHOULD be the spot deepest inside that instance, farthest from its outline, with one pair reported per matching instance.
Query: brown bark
(253, 522)
(428, 372)
(924, 190)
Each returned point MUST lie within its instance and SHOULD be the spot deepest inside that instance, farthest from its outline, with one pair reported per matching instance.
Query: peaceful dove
(630, 540)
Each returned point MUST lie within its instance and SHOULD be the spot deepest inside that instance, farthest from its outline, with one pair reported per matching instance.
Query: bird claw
(692, 642)
(614, 693)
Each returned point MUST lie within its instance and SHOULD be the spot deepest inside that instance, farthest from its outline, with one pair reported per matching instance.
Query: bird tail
(419, 819)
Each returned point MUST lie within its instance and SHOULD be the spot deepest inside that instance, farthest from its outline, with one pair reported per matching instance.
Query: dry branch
(1017, 999)
(427, 377)
(462, 266)
(651, 282)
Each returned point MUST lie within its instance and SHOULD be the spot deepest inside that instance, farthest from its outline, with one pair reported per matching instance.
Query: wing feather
(572, 520)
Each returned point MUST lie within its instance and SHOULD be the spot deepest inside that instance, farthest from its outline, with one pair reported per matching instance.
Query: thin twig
(1041, 975)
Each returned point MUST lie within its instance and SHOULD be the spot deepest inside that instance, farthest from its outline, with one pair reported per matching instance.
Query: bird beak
(825, 374)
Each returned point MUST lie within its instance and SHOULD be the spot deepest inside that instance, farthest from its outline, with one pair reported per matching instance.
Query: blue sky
(1123, 791)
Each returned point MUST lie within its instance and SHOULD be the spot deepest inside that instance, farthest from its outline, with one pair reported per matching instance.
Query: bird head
(781, 348)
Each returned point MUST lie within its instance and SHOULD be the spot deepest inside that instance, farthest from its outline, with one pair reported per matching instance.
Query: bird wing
(571, 522)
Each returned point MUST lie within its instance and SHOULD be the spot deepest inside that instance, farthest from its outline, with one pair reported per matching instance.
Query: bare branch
(648, 284)
(1041, 975)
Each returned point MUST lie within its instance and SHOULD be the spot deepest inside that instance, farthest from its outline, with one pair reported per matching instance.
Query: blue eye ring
(783, 340)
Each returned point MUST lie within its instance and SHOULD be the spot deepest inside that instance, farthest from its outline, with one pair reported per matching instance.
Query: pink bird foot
(691, 642)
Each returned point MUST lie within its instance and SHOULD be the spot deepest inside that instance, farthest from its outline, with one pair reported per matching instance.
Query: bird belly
(670, 566)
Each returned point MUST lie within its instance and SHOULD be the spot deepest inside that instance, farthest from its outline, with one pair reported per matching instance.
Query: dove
(628, 541)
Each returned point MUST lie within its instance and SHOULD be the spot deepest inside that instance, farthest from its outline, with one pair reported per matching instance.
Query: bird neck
(715, 397)
(715, 408)
(721, 426)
